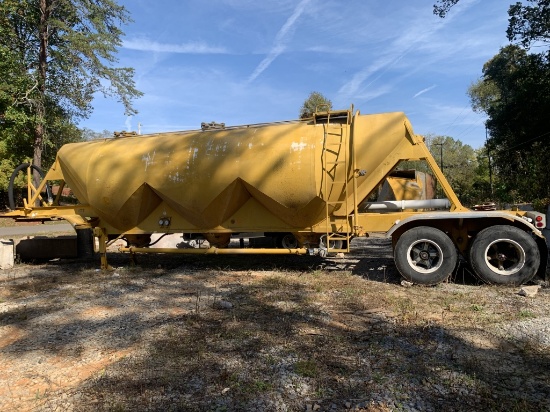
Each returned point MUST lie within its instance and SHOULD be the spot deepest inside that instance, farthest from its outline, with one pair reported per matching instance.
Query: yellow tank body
(233, 178)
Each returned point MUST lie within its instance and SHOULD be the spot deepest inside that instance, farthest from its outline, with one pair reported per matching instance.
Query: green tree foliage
(442, 7)
(484, 179)
(459, 165)
(54, 55)
(527, 23)
(514, 92)
(315, 101)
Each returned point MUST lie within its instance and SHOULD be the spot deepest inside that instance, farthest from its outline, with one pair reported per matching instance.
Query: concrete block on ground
(6, 254)
(47, 248)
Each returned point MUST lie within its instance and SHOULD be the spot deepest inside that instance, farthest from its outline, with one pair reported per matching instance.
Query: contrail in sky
(424, 91)
(279, 45)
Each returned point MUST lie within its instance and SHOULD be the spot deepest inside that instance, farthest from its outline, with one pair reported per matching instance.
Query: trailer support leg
(103, 239)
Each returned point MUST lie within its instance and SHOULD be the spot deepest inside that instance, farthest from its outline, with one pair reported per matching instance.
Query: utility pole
(440, 158)
(440, 155)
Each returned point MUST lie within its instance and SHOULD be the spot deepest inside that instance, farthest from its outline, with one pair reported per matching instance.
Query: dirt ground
(266, 333)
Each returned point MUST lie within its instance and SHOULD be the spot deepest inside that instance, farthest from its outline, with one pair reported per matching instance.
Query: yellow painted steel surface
(207, 177)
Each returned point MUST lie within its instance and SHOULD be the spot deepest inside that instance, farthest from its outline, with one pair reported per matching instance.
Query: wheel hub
(424, 255)
(505, 256)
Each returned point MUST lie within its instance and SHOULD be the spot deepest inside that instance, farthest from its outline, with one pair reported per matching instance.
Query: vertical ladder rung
(337, 140)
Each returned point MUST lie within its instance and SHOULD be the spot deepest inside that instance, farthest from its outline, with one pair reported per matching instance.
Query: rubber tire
(22, 166)
(487, 272)
(439, 245)
(287, 241)
(84, 243)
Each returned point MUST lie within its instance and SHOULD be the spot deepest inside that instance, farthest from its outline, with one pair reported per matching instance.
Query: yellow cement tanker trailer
(303, 180)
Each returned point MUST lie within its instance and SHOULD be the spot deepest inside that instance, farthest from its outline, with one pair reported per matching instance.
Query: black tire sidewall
(485, 273)
(281, 240)
(22, 166)
(448, 249)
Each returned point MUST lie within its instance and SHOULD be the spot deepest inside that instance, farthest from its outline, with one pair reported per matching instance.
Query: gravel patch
(267, 334)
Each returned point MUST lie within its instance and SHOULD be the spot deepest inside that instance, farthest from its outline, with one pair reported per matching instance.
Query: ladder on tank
(335, 176)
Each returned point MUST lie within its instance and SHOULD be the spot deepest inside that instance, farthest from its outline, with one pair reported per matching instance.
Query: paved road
(35, 229)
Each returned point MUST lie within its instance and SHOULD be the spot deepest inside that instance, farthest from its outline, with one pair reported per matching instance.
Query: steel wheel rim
(505, 257)
(425, 256)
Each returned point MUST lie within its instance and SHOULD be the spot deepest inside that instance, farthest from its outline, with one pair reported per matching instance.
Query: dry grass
(295, 338)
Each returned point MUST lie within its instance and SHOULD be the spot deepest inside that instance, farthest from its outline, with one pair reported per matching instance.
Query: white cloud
(281, 40)
(421, 32)
(143, 44)
(330, 49)
(372, 94)
(380, 66)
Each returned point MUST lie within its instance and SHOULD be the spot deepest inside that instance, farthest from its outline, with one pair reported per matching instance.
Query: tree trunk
(37, 147)
(39, 130)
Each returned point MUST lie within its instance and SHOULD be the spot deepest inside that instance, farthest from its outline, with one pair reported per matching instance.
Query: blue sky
(250, 61)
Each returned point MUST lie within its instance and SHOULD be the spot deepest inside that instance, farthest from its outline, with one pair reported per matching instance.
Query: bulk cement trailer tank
(306, 180)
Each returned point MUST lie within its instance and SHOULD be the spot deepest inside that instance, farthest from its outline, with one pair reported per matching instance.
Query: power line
(469, 128)
(454, 121)
(528, 141)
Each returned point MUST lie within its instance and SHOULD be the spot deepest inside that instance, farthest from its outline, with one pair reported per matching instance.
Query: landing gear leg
(103, 239)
